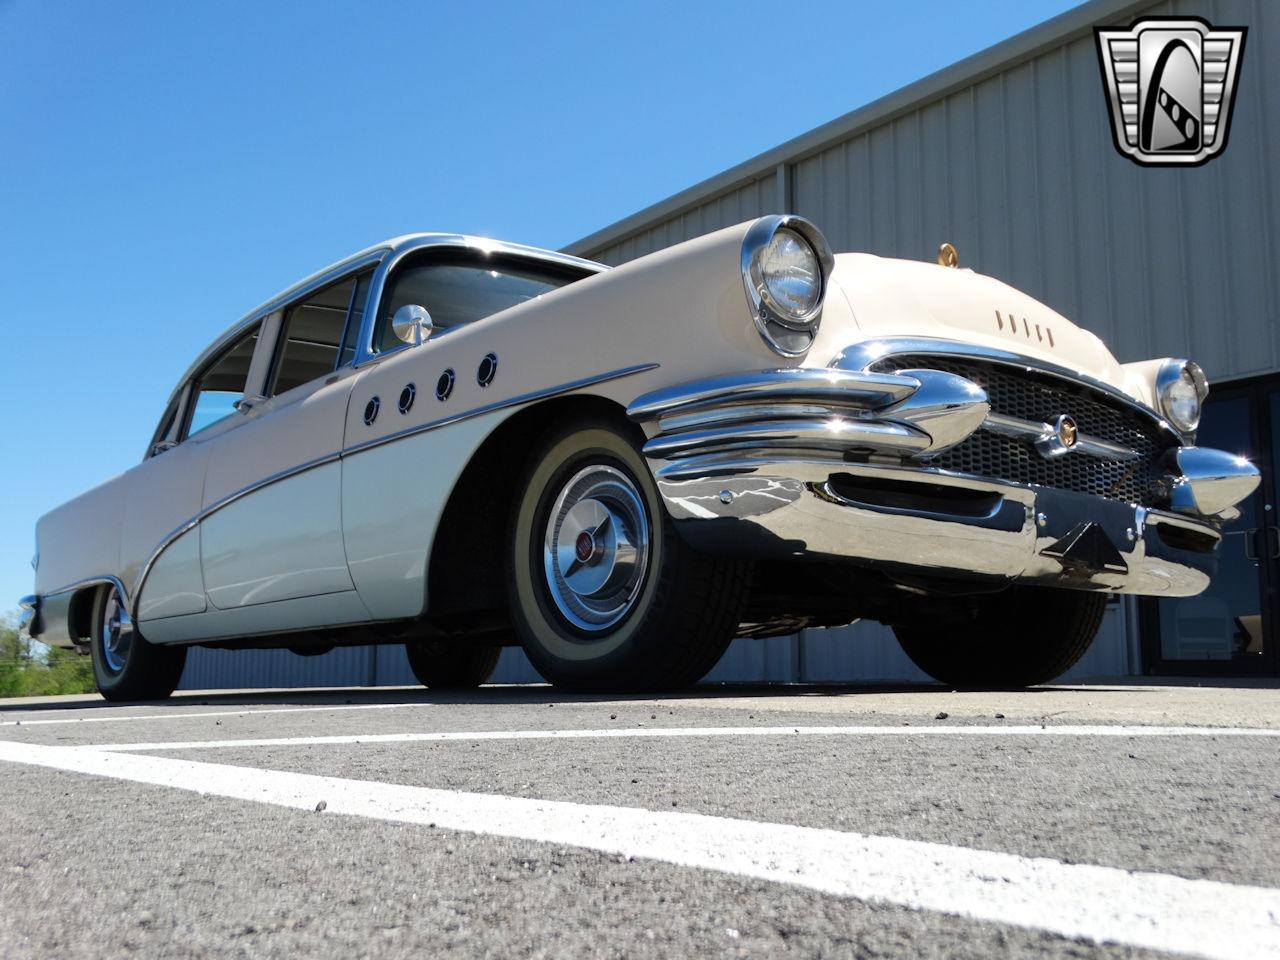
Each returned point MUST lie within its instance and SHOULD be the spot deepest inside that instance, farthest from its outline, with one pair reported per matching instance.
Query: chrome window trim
(382, 257)
(191, 382)
(861, 356)
(417, 243)
(436, 424)
(280, 301)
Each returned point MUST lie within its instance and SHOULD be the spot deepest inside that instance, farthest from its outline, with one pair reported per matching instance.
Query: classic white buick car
(460, 444)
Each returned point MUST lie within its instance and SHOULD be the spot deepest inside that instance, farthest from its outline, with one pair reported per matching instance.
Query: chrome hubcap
(596, 548)
(117, 634)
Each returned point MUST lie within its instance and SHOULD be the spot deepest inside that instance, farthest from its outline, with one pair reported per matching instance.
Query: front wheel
(603, 592)
(1018, 638)
(125, 666)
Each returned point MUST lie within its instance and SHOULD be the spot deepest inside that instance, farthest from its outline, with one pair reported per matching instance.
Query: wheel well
(466, 571)
(80, 613)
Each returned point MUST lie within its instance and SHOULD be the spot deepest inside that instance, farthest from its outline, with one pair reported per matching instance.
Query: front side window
(316, 337)
(456, 290)
(222, 384)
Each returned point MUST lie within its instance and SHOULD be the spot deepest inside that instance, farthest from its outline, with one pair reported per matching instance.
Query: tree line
(29, 668)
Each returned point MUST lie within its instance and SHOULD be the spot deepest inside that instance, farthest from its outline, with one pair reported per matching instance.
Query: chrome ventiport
(407, 396)
(444, 385)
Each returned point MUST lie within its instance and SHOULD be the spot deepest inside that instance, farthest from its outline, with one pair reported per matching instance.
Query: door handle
(1251, 544)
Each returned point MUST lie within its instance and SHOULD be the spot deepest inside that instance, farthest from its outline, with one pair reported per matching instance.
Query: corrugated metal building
(1009, 156)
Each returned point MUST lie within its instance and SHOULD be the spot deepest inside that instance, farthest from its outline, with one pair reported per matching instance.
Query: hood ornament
(948, 256)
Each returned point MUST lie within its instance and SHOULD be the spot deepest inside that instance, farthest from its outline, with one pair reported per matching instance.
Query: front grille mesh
(1042, 399)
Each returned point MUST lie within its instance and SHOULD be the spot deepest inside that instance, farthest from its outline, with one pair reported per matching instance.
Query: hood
(899, 298)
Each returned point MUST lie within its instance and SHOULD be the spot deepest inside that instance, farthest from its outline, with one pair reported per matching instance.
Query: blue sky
(166, 166)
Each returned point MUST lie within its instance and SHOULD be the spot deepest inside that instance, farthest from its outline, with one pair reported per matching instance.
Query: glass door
(1229, 629)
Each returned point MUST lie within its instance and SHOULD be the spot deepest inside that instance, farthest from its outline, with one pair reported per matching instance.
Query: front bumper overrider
(834, 463)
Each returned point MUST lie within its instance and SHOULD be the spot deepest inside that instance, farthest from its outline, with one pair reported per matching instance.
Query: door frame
(1256, 390)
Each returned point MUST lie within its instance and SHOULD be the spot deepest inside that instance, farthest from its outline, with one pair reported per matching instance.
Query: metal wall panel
(1018, 170)
(744, 203)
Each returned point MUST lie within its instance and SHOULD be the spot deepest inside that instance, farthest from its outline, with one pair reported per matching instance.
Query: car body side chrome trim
(37, 615)
(95, 581)
(430, 425)
(865, 354)
(515, 401)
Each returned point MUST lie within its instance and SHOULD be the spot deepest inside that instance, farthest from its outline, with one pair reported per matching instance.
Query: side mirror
(162, 446)
(412, 324)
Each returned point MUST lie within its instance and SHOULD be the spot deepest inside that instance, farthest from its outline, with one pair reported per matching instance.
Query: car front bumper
(834, 464)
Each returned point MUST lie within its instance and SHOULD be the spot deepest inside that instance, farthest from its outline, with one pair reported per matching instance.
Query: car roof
(393, 247)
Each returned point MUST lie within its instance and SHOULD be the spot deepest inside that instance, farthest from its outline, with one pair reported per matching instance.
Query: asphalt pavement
(1089, 821)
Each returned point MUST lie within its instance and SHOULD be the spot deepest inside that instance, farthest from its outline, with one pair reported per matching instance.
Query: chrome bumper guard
(834, 463)
(29, 612)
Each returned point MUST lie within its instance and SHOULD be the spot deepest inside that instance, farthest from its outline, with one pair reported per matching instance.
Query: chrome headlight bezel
(1175, 374)
(788, 334)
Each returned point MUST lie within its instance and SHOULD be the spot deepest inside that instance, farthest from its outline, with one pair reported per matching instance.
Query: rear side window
(314, 335)
(216, 392)
(459, 291)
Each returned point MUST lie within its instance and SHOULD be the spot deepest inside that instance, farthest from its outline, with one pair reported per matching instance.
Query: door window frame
(1256, 391)
(252, 378)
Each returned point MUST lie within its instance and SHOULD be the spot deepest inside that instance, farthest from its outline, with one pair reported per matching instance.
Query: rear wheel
(125, 666)
(451, 666)
(603, 592)
(1018, 638)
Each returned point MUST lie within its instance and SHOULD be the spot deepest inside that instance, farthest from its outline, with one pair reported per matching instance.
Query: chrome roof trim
(379, 254)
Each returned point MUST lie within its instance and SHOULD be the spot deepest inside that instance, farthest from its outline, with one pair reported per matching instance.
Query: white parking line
(1101, 904)
(113, 717)
(660, 732)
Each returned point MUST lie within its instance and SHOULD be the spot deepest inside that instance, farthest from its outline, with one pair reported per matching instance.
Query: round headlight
(785, 266)
(792, 278)
(1182, 387)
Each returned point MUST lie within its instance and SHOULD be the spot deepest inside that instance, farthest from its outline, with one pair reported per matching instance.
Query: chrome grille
(1043, 398)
